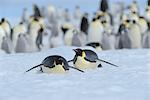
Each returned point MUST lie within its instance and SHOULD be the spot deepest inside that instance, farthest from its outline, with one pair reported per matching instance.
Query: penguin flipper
(34, 67)
(76, 69)
(70, 61)
(108, 62)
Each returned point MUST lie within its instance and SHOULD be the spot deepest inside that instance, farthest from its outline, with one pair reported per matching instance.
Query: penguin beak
(75, 50)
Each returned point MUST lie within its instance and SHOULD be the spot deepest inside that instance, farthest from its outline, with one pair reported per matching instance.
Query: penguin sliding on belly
(54, 64)
(87, 59)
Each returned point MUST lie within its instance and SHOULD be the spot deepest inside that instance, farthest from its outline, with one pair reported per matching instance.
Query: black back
(84, 25)
(49, 61)
(104, 5)
(39, 38)
(148, 2)
(94, 44)
(91, 55)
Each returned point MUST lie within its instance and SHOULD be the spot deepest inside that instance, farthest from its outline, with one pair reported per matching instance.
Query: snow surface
(130, 81)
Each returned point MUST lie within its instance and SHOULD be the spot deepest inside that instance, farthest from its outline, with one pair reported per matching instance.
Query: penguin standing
(6, 26)
(135, 35)
(96, 30)
(84, 24)
(34, 27)
(87, 59)
(22, 45)
(39, 39)
(54, 64)
(18, 29)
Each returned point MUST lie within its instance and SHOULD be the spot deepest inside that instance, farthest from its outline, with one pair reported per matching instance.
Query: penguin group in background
(54, 64)
(87, 59)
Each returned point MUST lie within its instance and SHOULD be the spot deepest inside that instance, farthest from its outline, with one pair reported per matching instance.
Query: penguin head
(79, 52)
(3, 20)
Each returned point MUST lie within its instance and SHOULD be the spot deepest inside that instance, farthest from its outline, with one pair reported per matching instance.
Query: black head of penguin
(104, 5)
(94, 19)
(3, 20)
(64, 29)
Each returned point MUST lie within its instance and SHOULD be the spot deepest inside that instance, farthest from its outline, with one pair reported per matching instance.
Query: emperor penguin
(6, 26)
(34, 26)
(18, 29)
(84, 24)
(7, 45)
(135, 35)
(2, 35)
(54, 64)
(87, 59)
(96, 30)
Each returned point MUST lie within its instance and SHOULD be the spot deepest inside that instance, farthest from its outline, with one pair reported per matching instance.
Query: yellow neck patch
(83, 54)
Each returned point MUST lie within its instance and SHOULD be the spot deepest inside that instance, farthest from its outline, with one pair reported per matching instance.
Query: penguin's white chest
(58, 69)
(82, 64)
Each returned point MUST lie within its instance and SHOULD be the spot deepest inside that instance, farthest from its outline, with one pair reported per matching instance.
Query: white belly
(83, 64)
(56, 70)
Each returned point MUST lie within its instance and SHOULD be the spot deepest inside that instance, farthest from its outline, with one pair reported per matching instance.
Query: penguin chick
(54, 64)
(87, 59)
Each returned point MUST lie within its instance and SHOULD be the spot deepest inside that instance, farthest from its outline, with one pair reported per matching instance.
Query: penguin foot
(99, 66)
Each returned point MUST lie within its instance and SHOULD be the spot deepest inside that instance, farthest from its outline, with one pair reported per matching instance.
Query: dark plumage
(104, 5)
(84, 24)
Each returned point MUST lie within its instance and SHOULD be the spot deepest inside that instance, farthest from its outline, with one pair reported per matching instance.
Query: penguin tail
(76, 69)
(34, 67)
(107, 62)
